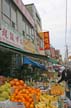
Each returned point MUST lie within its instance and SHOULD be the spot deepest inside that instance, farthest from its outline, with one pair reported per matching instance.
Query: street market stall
(17, 94)
(44, 92)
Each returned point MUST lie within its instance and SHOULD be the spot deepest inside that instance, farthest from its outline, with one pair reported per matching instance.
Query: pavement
(68, 101)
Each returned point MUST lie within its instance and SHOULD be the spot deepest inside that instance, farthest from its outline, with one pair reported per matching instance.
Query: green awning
(53, 61)
(23, 51)
(10, 47)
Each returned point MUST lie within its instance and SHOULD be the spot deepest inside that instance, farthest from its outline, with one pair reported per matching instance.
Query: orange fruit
(21, 82)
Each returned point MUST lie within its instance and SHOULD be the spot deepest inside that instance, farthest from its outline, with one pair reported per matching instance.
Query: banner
(46, 41)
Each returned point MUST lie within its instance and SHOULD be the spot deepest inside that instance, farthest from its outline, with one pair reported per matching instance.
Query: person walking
(66, 76)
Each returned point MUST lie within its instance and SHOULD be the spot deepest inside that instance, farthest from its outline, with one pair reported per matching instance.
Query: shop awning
(53, 61)
(10, 47)
(22, 51)
(27, 60)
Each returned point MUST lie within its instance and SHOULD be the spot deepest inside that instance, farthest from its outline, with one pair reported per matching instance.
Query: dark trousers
(68, 93)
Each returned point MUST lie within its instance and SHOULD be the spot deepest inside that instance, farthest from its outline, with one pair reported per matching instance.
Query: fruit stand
(15, 93)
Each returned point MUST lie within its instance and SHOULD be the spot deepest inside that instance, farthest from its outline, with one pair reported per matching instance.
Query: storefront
(11, 43)
(10, 60)
(12, 51)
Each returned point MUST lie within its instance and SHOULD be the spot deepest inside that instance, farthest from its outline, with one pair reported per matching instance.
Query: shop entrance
(10, 62)
(5, 61)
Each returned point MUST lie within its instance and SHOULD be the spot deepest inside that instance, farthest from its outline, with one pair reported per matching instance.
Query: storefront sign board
(10, 36)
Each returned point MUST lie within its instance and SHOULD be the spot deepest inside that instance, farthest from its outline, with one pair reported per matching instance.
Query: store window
(30, 31)
(5, 61)
(14, 16)
(23, 23)
(6, 10)
(23, 33)
(23, 26)
(32, 34)
(19, 21)
(27, 29)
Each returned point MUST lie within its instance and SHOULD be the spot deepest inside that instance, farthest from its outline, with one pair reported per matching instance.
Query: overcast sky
(52, 13)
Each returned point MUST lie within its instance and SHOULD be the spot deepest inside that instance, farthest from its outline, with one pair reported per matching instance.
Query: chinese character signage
(46, 41)
(10, 36)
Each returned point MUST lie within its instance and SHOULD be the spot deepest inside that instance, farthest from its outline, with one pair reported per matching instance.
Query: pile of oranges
(23, 93)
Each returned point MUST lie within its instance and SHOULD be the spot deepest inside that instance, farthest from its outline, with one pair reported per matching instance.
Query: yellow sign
(29, 46)
(41, 34)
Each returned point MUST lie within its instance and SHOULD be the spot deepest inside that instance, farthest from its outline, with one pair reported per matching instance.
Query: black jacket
(66, 76)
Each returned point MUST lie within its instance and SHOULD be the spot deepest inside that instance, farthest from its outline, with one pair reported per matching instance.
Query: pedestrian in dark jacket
(66, 76)
(63, 76)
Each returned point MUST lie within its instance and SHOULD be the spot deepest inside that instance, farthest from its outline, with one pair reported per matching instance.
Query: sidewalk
(68, 101)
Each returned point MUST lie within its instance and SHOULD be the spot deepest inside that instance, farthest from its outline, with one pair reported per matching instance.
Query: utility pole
(66, 46)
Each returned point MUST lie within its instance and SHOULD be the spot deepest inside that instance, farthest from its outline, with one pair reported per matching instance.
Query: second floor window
(6, 8)
(13, 16)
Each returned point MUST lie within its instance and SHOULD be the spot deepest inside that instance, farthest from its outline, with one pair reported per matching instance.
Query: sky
(53, 17)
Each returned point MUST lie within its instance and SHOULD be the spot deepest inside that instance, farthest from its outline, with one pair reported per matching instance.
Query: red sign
(46, 41)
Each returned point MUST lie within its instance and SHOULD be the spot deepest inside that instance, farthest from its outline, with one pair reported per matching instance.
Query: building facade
(38, 26)
(16, 26)
(15, 14)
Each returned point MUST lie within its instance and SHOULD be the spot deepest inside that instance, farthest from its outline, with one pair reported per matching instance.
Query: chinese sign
(46, 41)
(10, 36)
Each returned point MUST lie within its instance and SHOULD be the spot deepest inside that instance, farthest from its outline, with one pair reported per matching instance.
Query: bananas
(46, 101)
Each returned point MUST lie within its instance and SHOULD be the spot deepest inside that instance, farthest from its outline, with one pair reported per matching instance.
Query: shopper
(66, 76)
